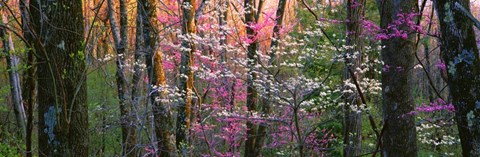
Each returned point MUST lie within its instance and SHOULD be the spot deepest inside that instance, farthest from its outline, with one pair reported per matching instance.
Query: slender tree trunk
(250, 18)
(352, 125)
(138, 57)
(29, 76)
(62, 98)
(222, 22)
(186, 78)
(14, 77)
(120, 39)
(399, 135)
(460, 53)
(428, 68)
(266, 100)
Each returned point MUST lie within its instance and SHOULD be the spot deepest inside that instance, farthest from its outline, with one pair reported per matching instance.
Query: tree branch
(467, 14)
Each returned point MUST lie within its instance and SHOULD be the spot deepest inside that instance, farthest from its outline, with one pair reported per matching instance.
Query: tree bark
(120, 40)
(399, 135)
(460, 53)
(266, 100)
(28, 91)
(162, 112)
(14, 77)
(250, 19)
(352, 125)
(186, 77)
(62, 98)
(140, 51)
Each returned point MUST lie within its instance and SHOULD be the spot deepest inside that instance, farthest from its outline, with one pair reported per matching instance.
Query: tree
(267, 98)
(186, 75)
(120, 39)
(250, 19)
(352, 124)
(399, 135)
(62, 105)
(161, 111)
(13, 76)
(154, 60)
(459, 51)
(29, 82)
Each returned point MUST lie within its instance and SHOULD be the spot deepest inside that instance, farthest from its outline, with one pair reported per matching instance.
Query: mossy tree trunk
(460, 54)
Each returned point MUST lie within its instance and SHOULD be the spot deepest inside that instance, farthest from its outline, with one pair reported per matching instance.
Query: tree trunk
(186, 78)
(460, 53)
(138, 57)
(120, 39)
(399, 135)
(251, 77)
(426, 51)
(62, 98)
(14, 77)
(266, 100)
(162, 113)
(29, 76)
(352, 125)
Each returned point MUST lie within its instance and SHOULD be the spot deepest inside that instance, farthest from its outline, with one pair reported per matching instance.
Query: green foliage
(4, 91)
(8, 151)
(448, 13)
(335, 127)
(103, 111)
(10, 145)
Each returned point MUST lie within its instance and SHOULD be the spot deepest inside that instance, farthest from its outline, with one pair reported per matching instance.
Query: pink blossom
(441, 65)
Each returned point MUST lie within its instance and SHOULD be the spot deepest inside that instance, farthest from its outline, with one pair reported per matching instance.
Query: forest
(239, 78)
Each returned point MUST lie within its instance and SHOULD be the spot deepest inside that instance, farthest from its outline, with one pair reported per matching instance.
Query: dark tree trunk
(266, 100)
(352, 132)
(426, 50)
(399, 135)
(460, 53)
(120, 39)
(62, 97)
(140, 51)
(28, 91)
(251, 77)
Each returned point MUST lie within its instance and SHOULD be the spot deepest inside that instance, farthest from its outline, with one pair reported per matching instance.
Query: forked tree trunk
(62, 97)
(399, 135)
